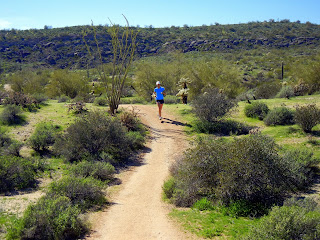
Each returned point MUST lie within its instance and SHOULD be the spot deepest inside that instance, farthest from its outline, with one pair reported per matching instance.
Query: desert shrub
(98, 170)
(39, 98)
(308, 203)
(136, 140)
(307, 116)
(101, 101)
(9, 146)
(300, 168)
(11, 114)
(243, 208)
(132, 100)
(287, 222)
(126, 100)
(279, 116)
(170, 99)
(20, 99)
(169, 188)
(77, 107)
(286, 92)
(48, 219)
(203, 204)
(12, 149)
(63, 98)
(267, 90)
(212, 105)
(247, 95)
(256, 110)
(93, 134)
(84, 192)
(43, 136)
(68, 83)
(248, 169)
(136, 131)
(16, 173)
(130, 120)
(221, 127)
(301, 88)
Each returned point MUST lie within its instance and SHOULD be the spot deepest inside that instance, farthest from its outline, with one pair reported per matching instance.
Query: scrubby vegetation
(99, 170)
(248, 169)
(295, 220)
(256, 110)
(238, 75)
(16, 173)
(49, 218)
(11, 114)
(43, 136)
(279, 116)
(97, 136)
(83, 192)
(307, 116)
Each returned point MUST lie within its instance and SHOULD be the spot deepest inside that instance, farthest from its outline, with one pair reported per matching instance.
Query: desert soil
(137, 210)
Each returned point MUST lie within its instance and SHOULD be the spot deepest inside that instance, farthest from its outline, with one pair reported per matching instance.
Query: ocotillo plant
(123, 41)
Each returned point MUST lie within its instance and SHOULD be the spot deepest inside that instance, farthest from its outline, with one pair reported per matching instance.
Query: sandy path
(138, 211)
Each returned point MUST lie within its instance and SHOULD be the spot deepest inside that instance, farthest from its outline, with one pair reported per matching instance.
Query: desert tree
(123, 42)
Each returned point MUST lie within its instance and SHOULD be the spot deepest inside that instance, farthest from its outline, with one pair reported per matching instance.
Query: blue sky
(23, 14)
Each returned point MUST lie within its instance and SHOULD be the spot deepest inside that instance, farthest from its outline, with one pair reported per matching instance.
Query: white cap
(157, 82)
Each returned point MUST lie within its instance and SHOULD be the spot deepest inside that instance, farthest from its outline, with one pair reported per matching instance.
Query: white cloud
(4, 24)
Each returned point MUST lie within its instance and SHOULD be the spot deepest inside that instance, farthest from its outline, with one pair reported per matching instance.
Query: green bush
(49, 219)
(203, 204)
(279, 116)
(84, 192)
(16, 173)
(101, 101)
(43, 136)
(136, 139)
(169, 188)
(11, 114)
(39, 98)
(132, 100)
(20, 99)
(267, 90)
(307, 116)
(9, 146)
(286, 92)
(170, 99)
(63, 98)
(98, 170)
(131, 121)
(68, 83)
(256, 110)
(221, 127)
(212, 105)
(301, 167)
(243, 208)
(248, 169)
(93, 134)
(309, 204)
(289, 223)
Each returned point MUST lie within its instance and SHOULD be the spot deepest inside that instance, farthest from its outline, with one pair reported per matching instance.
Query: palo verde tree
(123, 41)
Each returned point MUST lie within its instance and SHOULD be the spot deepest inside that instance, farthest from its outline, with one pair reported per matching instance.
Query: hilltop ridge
(65, 48)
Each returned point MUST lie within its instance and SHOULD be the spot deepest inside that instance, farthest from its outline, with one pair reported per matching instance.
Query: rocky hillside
(65, 48)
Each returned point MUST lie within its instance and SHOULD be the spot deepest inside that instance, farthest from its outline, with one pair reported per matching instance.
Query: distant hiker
(160, 93)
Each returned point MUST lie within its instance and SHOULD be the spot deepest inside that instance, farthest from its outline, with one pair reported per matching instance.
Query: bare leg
(160, 108)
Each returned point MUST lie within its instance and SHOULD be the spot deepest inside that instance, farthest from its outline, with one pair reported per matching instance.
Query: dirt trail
(137, 211)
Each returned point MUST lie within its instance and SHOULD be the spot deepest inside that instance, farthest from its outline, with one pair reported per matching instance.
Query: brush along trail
(137, 210)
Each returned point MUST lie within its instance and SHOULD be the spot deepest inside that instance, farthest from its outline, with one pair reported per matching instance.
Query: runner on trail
(160, 93)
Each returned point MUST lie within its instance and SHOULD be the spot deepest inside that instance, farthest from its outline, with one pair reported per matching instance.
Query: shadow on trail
(169, 121)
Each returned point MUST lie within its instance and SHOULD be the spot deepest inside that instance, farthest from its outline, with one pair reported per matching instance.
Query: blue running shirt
(158, 92)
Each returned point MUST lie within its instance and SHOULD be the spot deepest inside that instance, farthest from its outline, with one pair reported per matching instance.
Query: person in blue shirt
(159, 93)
